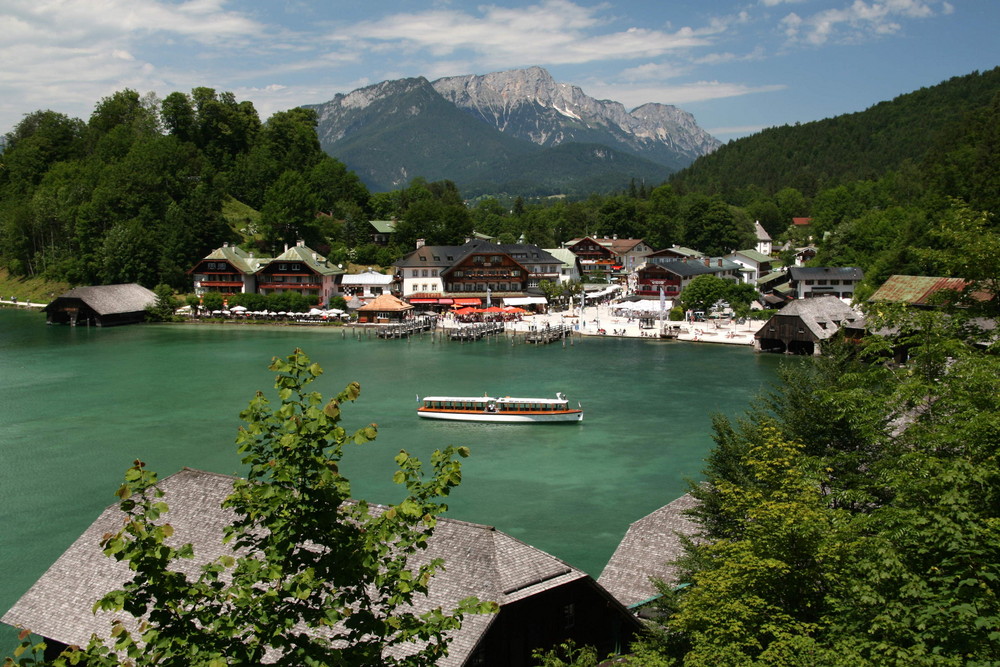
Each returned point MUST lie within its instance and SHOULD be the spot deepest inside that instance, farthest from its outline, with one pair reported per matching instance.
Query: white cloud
(859, 20)
(633, 95)
(548, 33)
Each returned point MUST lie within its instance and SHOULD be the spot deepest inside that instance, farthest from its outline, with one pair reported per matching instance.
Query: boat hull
(567, 416)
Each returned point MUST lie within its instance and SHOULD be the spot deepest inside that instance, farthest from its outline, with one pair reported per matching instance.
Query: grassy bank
(30, 289)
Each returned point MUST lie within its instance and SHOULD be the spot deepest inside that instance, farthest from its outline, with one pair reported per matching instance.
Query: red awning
(423, 301)
(467, 302)
(445, 302)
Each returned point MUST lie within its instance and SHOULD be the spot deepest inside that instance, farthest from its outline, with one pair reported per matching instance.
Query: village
(592, 286)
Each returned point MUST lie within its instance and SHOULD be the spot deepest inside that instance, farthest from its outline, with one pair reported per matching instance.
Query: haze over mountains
(515, 132)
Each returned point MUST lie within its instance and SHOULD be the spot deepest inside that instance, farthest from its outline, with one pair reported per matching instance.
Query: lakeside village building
(483, 272)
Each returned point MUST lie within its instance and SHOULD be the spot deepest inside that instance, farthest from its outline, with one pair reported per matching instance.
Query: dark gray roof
(822, 315)
(479, 560)
(836, 272)
(446, 256)
(110, 299)
(646, 552)
(687, 268)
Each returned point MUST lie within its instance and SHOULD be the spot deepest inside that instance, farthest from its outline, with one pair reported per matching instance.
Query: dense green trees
(850, 517)
(137, 193)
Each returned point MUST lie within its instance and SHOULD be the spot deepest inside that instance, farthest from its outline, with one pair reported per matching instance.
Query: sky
(737, 66)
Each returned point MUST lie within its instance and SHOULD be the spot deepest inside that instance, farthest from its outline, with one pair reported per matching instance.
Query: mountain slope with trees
(861, 146)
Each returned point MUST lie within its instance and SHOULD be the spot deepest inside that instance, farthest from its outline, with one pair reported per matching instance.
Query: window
(569, 615)
(414, 273)
(434, 273)
(424, 274)
(282, 267)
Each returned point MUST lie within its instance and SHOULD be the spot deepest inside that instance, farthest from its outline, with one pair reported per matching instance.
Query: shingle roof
(647, 551)
(760, 232)
(110, 299)
(822, 315)
(564, 255)
(479, 560)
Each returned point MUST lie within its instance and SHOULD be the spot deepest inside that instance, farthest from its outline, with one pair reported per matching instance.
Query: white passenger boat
(507, 410)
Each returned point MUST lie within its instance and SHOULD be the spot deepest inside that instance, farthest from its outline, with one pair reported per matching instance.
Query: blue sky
(738, 66)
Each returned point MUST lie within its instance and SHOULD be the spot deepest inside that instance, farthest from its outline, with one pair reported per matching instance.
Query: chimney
(225, 244)
(420, 243)
(708, 261)
(300, 243)
(720, 261)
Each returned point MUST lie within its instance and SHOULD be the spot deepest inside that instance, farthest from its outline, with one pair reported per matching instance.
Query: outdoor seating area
(470, 314)
(313, 316)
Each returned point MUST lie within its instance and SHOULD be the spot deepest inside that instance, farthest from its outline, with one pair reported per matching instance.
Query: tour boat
(506, 410)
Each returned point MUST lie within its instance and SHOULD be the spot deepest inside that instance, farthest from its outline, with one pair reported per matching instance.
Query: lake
(77, 405)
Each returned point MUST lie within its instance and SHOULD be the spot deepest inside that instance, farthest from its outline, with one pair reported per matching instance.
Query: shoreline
(594, 318)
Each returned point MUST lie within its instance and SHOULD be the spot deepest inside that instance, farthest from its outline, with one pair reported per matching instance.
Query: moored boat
(508, 409)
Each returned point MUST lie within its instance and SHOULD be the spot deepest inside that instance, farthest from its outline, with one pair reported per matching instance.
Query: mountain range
(514, 132)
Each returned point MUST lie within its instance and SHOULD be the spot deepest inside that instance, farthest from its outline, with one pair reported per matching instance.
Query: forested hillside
(138, 192)
(862, 146)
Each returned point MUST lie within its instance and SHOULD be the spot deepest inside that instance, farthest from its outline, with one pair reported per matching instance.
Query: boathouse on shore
(543, 601)
(802, 325)
(101, 305)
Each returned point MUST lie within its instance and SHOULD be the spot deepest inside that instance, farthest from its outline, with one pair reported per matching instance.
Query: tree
(703, 292)
(163, 309)
(315, 578)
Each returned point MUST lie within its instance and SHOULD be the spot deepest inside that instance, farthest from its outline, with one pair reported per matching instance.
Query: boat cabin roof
(488, 399)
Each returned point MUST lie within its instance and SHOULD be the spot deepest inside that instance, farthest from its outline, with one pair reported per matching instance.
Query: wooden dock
(477, 331)
(405, 329)
(547, 335)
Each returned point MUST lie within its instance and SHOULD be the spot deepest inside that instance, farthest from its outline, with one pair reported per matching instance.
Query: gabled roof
(367, 278)
(615, 245)
(447, 256)
(109, 299)
(564, 255)
(754, 256)
(239, 258)
(760, 232)
(308, 256)
(383, 226)
(647, 551)
(915, 290)
(480, 561)
(677, 251)
(819, 272)
(802, 221)
(697, 267)
(822, 315)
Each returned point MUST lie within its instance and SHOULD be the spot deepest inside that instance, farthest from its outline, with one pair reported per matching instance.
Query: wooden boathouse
(803, 325)
(101, 305)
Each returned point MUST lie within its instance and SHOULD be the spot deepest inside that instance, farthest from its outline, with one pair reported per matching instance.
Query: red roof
(801, 221)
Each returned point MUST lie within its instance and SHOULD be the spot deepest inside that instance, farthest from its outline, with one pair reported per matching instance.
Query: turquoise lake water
(77, 405)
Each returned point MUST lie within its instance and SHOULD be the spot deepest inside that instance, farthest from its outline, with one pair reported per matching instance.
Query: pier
(404, 329)
(477, 331)
(548, 334)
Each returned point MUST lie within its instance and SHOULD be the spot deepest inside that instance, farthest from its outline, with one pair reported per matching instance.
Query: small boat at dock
(506, 410)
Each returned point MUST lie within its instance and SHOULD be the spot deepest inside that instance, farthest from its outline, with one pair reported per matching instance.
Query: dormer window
(423, 259)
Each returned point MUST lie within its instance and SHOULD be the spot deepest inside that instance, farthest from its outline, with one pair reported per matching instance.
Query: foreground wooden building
(648, 551)
(543, 601)
(101, 305)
